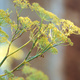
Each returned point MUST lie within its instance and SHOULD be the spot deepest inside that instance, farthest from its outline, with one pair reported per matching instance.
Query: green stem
(3, 60)
(19, 48)
(52, 46)
(20, 11)
(28, 60)
(17, 19)
(41, 24)
(7, 51)
(9, 47)
(31, 49)
(33, 57)
(18, 36)
(37, 14)
(14, 52)
(10, 44)
(20, 65)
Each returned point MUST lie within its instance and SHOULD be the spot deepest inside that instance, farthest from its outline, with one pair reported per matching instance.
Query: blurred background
(66, 64)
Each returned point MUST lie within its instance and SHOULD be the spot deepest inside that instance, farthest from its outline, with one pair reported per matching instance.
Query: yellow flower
(44, 14)
(22, 3)
(26, 22)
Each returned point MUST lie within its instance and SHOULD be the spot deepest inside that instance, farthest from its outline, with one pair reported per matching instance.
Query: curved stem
(9, 47)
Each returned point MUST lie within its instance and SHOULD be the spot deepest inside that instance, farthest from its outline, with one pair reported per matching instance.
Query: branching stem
(30, 59)
(14, 52)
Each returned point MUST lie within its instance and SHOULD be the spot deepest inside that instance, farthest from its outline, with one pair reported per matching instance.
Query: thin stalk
(10, 44)
(7, 51)
(16, 68)
(52, 46)
(41, 51)
(37, 14)
(41, 24)
(9, 47)
(3, 60)
(19, 48)
(18, 36)
(20, 11)
(31, 49)
(17, 19)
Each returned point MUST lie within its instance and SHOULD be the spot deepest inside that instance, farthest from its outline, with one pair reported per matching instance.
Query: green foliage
(1, 78)
(37, 76)
(43, 36)
(28, 70)
(33, 74)
(17, 78)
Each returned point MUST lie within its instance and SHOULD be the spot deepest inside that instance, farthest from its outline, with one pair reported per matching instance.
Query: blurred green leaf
(33, 74)
(1, 78)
